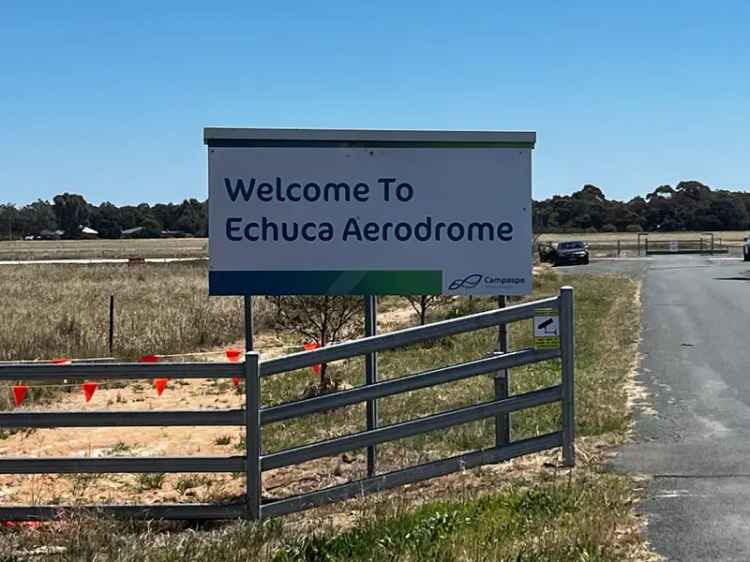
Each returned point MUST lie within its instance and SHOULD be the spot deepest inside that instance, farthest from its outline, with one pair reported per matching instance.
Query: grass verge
(557, 518)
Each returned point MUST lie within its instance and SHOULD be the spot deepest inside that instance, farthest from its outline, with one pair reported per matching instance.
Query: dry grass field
(63, 310)
(92, 249)
(522, 510)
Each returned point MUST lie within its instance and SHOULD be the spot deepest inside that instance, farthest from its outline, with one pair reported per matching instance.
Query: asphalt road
(693, 439)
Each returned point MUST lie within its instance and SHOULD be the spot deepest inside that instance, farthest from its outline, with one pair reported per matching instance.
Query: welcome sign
(369, 212)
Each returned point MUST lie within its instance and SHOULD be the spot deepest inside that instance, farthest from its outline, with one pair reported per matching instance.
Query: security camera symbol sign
(546, 328)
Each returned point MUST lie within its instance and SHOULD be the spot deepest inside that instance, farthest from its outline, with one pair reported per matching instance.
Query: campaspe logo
(468, 282)
(475, 279)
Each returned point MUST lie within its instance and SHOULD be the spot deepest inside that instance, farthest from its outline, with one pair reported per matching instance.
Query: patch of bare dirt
(188, 394)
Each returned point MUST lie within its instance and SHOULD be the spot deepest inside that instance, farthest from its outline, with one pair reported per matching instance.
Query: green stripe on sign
(399, 282)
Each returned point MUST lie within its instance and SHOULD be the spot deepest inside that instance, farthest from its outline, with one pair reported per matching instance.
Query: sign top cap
(218, 136)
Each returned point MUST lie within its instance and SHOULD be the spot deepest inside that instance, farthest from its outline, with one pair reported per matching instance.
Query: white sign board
(369, 212)
(546, 328)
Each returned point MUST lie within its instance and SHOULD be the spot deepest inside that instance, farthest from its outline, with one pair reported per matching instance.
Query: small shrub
(185, 483)
(119, 448)
(150, 481)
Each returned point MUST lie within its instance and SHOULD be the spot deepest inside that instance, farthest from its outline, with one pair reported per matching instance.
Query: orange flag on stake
(88, 390)
(18, 524)
(19, 393)
(160, 385)
(309, 346)
(234, 356)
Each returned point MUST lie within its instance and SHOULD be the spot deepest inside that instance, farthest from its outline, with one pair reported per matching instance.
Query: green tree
(38, 216)
(323, 320)
(72, 213)
(10, 224)
(151, 228)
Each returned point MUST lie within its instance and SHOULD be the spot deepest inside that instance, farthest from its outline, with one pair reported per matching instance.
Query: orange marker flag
(19, 393)
(61, 361)
(149, 359)
(160, 385)
(88, 390)
(309, 346)
(234, 356)
(18, 524)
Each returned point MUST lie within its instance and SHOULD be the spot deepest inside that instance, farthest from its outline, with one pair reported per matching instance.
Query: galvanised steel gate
(254, 417)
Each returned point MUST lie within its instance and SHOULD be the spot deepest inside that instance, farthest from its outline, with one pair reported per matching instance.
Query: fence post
(618, 247)
(111, 340)
(253, 487)
(502, 383)
(567, 350)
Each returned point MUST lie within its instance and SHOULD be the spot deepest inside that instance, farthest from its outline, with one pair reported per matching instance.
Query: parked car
(570, 253)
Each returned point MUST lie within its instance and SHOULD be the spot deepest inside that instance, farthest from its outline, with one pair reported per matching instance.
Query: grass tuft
(150, 481)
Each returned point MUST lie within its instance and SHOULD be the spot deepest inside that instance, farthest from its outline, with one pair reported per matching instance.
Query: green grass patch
(555, 520)
(558, 518)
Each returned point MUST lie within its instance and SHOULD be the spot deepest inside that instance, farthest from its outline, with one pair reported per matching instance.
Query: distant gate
(254, 417)
(703, 244)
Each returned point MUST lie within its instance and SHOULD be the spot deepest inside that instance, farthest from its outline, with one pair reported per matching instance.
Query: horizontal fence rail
(47, 372)
(409, 428)
(404, 384)
(411, 475)
(87, 465)
(180, 512)
(254, 416)
(405, 337)
(41, 420)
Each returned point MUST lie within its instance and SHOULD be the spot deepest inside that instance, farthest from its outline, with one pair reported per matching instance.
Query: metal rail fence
(254, 417)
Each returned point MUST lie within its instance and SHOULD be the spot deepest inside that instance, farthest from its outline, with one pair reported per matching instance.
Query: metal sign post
(371, 377)
(502, 383)
(249, 343)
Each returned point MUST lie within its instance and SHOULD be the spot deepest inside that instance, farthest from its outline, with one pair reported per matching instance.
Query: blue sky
(109, 99)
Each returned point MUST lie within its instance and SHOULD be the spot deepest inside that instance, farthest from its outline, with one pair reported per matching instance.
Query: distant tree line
(70, 212)
(690, 205)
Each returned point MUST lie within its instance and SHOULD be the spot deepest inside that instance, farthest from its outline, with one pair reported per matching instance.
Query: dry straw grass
(63, 310)
(91, 249)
